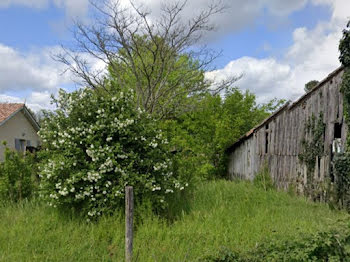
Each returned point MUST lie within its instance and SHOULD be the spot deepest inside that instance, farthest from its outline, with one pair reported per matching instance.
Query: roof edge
(27, 114)
(318, 86)
(287, 106)
(31, 118)
(252, 131)
(12, 115)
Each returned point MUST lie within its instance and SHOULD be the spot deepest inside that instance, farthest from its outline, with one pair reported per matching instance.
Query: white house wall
(18, 127)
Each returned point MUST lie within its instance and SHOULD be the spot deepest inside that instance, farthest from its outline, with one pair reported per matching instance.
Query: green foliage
(345, 90)
(344, 47)
(342, 180)
(263, 179)
(163, 80)
(17, 176)
(223, 255)
(312, 148)
(94, 145)
(326, 245)
(310, 85)
(221, 215)
(200, 137)
(313, 143)
(342, 161)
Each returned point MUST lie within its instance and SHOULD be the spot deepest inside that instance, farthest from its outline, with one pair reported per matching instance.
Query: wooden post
(129, 217)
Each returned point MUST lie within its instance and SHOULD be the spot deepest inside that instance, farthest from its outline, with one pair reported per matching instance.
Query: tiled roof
(7, 109)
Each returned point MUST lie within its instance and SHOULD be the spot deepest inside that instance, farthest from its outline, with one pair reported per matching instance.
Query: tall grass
(235, 215)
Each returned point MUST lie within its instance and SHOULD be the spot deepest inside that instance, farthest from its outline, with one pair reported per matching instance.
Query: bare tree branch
(158, 57)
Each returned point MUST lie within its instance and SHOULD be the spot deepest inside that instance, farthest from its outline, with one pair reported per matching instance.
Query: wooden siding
(283, 133)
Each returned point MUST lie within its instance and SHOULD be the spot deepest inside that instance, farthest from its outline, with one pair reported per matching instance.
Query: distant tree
(310, 85)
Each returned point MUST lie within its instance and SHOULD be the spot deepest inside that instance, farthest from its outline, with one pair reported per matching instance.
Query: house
(280, 140)
(18, 128)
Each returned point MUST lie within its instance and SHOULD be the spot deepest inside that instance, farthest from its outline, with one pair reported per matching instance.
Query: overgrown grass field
(235, 215)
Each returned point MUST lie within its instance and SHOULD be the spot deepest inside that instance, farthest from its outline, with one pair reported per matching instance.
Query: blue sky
(276, 45)
(268, 36)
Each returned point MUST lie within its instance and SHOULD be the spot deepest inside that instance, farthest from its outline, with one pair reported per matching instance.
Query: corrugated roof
(284, 107)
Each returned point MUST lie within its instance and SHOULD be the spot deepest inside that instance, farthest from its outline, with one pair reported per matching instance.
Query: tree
(158, 57)
(200, 137)
(344, 47)
(96, 144)
(310, 85)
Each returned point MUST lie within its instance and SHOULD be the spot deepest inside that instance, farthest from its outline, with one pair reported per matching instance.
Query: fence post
(129, 217)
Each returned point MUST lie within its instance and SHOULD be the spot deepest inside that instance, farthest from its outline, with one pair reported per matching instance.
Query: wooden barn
(278, 141)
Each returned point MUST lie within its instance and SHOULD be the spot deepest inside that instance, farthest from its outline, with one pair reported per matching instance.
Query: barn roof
(287, 106)
(319, 85)
(8, 110)
(252, 131)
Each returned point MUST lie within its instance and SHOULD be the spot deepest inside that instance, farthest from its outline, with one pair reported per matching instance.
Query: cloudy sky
(277, 45)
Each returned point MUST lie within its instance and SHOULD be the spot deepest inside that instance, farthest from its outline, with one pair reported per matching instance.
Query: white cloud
(73, 8)
(257, 76)
(36, 101)
(39, 100)
(237, 14)
(37, 71)
(313, 55)
(32, 77)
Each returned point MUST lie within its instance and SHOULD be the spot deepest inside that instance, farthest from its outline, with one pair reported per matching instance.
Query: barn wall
(284, 132)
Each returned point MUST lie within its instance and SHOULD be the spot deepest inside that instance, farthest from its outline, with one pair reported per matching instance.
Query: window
(337, 130)
(20, 145)
(319, 166)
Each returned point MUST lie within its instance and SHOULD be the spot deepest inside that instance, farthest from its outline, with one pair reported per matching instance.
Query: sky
(276, 45)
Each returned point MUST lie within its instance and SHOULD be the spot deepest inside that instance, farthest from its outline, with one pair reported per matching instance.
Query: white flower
(63, 192)
(156, 188)
(153, 144)
(109, 139)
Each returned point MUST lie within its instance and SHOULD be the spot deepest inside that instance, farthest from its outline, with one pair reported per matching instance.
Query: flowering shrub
(96, 144)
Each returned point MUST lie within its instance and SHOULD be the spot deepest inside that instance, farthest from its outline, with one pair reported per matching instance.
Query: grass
(236, 215)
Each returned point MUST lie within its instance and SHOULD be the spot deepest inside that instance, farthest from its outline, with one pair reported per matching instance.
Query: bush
(330, 245)
(263, 179)
(17, 176)
(97, 143)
